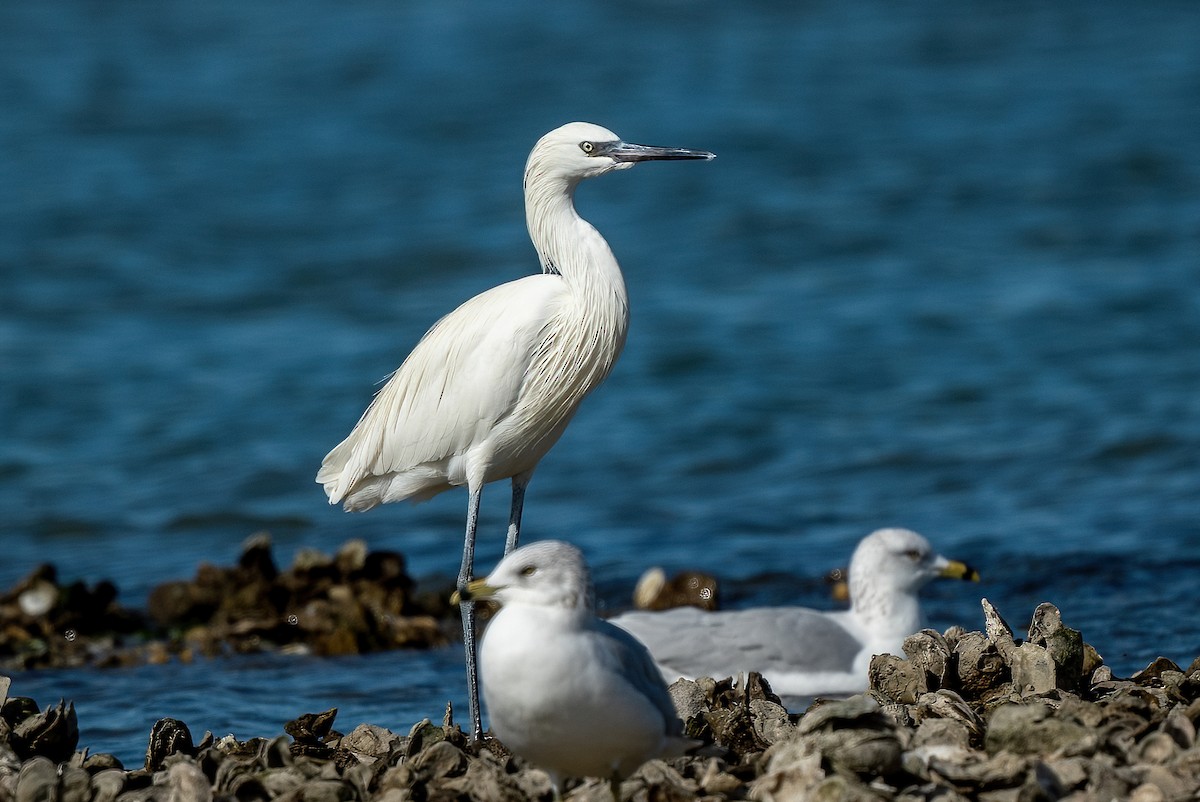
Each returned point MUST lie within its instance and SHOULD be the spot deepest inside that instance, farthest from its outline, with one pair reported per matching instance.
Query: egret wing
(464, 375)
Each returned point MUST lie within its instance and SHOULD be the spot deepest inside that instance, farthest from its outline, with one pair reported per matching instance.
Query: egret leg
(519, 483)
(467, 608)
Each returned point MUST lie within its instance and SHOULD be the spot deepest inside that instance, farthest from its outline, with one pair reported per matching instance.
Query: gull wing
(630, 657)
(696, 643)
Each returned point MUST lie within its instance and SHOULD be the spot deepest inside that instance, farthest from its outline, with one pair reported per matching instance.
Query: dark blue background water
(945, 274)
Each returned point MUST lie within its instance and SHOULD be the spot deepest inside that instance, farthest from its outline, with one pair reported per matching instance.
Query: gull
(492, 386)
(804, 652)
(564, 689)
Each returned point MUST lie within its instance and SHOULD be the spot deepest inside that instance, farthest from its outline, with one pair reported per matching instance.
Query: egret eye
(529, 570)
(587, 147)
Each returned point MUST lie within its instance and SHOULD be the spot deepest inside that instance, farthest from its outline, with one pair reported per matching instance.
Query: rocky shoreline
(962, 715)
(353, 601)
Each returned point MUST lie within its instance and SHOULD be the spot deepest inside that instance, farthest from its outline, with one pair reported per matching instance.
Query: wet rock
(732, 727)
(442, 759)
(687, 589)
(17, 708)
(37, 781)
(1157, 748)
(715, 780)
(1030, 729)
(107, 785)
(46, 623)
(1147, 792)
(239, 775)
(1068, 774)
(352, 602)
(929, 652)
(853, 735)
(1063, 644)
(1033, 670)
(980, 671)
(368, 743)
(275, 783)
(997, 629)
(1159, 672)
(947, 705)
(96, 763)
(75, 785)
(168, 736)
(1093, 718)
(313, 733)
(744, 714)
(53, 733)
(187, 783)
(657, 780)
(939, 736)
(355, 601)
(323, 790)
(792, 767)
(1172, 782)
(483, 779)
(689, 699)
(1180, 726)
(894, 679)
(351, 558)
(180, 602)
(979, 771)
(936, 742)
(770, 720)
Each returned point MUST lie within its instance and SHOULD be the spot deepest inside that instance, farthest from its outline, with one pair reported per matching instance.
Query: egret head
(577, 151)
(549, 573)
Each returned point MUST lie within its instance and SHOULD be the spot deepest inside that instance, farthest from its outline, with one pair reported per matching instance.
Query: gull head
(549, 573)
(575, 151)
(900, 560)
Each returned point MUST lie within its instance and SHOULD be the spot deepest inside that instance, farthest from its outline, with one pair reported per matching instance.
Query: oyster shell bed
(353, 601)
(963, 715)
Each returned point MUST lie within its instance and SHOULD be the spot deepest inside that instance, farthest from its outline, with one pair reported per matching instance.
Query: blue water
(945, 273)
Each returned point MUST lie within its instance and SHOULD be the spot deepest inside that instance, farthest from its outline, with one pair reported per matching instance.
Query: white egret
(492, 385)
(804, 652)
(564, 689)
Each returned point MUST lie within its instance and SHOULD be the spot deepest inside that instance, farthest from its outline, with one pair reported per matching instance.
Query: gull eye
(529, 570)
(587, 147)
(913, 554)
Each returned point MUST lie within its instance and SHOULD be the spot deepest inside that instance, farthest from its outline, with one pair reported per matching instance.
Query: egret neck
(572, 249)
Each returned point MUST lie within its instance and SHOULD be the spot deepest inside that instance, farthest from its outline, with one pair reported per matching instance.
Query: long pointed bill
(629, 152)
(956, 569)
(476, 589)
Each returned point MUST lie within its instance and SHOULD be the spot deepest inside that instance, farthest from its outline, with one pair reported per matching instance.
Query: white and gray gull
(800, 651)
(491, 386)
(564, 689)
